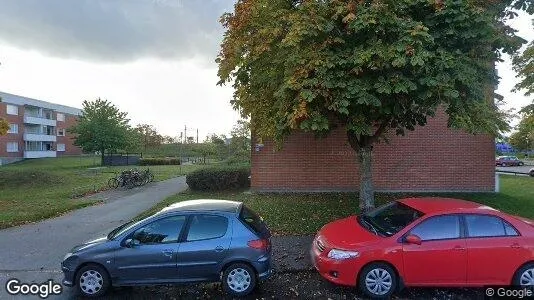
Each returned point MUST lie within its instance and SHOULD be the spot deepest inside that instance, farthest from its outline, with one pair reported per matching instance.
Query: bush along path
(219, 178)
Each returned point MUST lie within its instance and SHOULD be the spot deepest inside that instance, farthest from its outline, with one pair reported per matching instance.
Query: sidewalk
(33, 252)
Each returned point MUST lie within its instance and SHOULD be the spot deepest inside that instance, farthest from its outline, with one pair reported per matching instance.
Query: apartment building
(37, 129)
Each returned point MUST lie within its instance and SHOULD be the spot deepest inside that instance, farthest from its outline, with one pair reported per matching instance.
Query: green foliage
(523, 138)
(102, 127)
(524, 66)
(158, 161)
(370, 66)
(239, 147)
(149, 136)
(205, 150)
(134, 141)
(219, 178)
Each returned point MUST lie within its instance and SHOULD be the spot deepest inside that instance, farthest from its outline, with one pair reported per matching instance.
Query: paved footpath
(33, 252)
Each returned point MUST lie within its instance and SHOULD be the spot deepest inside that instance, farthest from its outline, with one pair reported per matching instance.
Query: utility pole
(197, 135)
(185, 134)
(180, 152)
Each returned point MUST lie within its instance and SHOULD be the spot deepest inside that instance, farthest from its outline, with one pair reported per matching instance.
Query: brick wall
(431, 158)
(10, 137)
(68, 139)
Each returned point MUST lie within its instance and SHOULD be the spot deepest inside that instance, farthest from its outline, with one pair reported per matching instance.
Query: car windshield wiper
(365, 220)
(111, 235)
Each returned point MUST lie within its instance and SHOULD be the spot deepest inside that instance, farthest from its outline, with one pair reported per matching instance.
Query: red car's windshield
(389, 218)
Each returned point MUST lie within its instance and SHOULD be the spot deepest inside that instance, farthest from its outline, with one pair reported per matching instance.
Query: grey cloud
(114, 30)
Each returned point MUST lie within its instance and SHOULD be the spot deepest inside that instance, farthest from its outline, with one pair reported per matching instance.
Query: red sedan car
(435, 242)
(508, 161)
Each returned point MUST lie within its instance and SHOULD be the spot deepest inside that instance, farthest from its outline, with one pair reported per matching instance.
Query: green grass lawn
(306, 213)
(32, 190)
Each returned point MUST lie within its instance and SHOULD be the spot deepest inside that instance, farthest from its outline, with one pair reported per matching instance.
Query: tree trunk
(102, 157)
(367, 193)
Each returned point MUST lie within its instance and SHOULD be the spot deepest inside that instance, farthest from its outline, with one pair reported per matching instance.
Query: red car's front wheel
(378, 280)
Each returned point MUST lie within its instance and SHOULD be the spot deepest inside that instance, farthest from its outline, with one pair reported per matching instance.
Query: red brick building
(431, 158)
(37, 129)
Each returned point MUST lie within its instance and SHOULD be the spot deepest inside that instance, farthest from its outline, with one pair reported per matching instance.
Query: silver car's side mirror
(130, 243)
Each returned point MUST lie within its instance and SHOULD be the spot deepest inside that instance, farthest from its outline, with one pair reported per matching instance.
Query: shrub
(219, 178)
(158, 161)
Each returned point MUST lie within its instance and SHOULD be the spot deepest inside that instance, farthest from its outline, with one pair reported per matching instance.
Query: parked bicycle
(131, 178)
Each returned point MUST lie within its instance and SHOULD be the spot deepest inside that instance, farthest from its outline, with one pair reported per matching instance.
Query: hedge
(158, 161)
(219, 178)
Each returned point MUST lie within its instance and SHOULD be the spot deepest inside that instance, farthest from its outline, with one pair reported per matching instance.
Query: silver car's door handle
(219, 248)
(167, 252)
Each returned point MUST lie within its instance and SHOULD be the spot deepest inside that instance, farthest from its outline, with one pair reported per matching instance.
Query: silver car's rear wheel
(92, 281)
(239, 279)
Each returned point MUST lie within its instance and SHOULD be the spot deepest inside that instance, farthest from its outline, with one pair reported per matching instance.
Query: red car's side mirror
(412, 239)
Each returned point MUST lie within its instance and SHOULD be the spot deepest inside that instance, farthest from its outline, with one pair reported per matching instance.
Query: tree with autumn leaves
(4, 125)
(372, 67)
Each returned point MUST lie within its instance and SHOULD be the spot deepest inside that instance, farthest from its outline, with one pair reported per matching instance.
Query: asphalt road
(522, 169)
(33, 252)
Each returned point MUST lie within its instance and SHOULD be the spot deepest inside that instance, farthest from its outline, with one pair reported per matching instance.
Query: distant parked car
(190, 241)
(435, 242)
(507, 161)
(531, 172)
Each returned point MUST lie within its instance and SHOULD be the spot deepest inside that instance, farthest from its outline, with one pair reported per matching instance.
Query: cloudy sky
(152, 58)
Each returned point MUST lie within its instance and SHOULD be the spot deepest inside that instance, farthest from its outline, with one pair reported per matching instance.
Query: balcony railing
(36, 137)
(39, 154)
(29, 119)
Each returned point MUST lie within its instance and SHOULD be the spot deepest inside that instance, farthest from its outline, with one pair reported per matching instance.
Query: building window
(12, 147)
(60, 117)
(13, 128)
(12, 110)
(61, 147)
(61, 132)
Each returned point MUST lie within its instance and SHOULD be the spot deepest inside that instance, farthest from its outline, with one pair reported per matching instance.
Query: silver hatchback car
(190, 241)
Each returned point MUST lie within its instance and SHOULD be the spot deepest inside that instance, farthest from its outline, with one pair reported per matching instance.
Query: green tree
(372, 67)
(101, 127)
(134, 141)
(523, 138)
(150, 136)
(524, 66)
(239, 146)
(221, 148)
(205, 150)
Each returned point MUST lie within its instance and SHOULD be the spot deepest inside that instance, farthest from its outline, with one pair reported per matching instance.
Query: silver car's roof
(204, 205)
